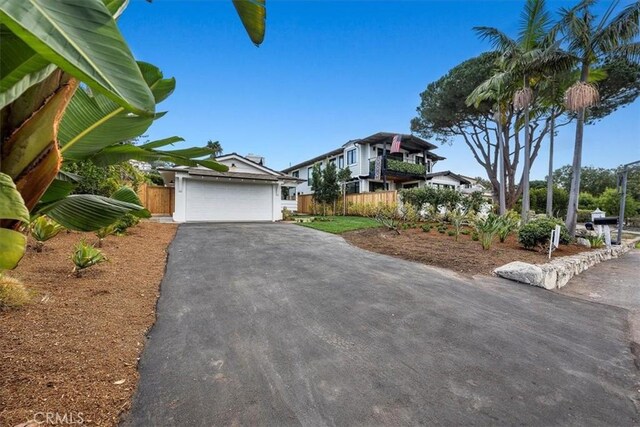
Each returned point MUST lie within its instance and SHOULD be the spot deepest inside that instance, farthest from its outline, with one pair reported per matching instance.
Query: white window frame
(355, 156)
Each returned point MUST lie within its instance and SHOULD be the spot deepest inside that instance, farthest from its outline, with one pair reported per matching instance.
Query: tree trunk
(550, 176)
(527, 162)
(501, 176)
(574, 192)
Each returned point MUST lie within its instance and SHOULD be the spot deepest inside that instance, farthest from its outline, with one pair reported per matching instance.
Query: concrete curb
(557, 273)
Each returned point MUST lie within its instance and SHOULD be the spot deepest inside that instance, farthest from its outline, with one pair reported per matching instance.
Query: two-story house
(411, 167)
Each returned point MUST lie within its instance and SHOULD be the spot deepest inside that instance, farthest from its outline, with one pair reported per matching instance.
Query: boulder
(583, 242)
(522, 272)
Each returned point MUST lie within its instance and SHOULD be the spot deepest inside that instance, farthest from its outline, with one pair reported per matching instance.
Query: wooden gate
(157, 199)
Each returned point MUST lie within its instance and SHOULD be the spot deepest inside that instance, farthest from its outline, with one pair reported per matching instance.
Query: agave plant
(84, 256)
(103, 232)
(49, 48)
(43, 229)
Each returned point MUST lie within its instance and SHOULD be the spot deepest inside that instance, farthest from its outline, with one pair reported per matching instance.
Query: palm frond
(534, 23)
(499, 40)
(630, 51)
(623, 28)
(494, 88)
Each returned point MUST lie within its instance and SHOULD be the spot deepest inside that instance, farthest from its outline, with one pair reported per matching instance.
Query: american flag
(395, 145)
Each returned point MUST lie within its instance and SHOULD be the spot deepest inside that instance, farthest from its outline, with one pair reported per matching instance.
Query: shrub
(584, 215)
(426, 228)
(596, 241)
(465, 232)
(475, 237)
(389, 216)
(43, 229)
(536, 233)
(487, 229)
(473, 202)
(452, 233)
(609, 201)
(287, 215)
(361, 209)
(13, 293)
(587, 201)
(85, 256)
(125, 222)
(435, 197)
(508, 223)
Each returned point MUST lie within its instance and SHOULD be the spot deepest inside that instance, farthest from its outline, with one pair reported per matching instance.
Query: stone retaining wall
(557, 272)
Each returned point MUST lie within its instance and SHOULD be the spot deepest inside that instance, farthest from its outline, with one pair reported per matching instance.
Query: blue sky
(328, 72)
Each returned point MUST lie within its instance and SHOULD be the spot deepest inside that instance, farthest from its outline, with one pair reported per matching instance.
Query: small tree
(330, 186)
(344, 175)
(316, 185)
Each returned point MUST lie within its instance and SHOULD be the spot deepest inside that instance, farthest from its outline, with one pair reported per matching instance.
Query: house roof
(410, 142)
(228, 175)
(249, 161)
(447, 173)
(315, 159)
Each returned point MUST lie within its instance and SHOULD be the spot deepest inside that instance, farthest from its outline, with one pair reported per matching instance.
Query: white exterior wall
(444, 180)
(265, 208)
(240, 167)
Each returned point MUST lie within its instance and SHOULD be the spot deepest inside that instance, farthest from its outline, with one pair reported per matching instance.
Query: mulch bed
(74, 349)
(464, 256)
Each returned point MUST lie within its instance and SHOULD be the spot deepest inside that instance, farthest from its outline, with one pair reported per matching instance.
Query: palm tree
(591, 40)
(215, 147)
(527, 57)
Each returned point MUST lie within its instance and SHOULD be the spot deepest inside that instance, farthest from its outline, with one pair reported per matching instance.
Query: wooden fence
(158, 200)
(305, 201)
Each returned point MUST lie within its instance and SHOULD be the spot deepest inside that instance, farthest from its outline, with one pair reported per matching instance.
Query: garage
(228, 201)
(248, 191)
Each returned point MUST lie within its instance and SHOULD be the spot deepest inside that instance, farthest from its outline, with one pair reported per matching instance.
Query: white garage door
(228, 201)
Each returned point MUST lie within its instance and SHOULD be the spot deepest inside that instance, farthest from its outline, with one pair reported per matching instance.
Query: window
(332, 161)
(394, 156)
(377, 186)
(351, 157)
(340, 162)
(288, 193)
(352, 187)
(295, 174)
(309, 175)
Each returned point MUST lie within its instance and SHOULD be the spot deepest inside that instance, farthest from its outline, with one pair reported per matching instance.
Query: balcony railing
(396, 167)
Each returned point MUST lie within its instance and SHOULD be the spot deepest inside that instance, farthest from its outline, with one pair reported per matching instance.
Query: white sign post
(554, 242)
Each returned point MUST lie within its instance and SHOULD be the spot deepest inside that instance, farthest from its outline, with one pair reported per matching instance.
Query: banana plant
(48, 49)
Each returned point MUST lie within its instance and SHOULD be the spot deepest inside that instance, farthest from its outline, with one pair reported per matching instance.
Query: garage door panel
(228, 201)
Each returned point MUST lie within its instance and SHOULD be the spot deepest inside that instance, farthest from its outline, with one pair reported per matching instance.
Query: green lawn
(341, 224)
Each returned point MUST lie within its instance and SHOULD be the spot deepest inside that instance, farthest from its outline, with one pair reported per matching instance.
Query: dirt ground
(74, 349)
(464, 256)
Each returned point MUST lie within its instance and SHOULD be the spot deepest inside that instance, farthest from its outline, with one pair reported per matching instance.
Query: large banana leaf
(82, 38)
(86, 212)
(20, 67)
(12, 243)
(253, 15)
(93, 122)
(126, 194)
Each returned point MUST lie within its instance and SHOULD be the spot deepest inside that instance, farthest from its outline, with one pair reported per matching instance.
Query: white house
(249, 191)
(405, 169)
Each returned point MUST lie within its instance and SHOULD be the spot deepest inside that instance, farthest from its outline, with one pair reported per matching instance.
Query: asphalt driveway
(275, 324)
